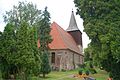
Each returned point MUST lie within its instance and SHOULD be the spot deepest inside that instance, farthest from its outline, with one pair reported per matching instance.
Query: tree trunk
(43, 75)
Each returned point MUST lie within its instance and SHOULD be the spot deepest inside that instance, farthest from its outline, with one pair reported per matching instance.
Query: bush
(87, 72)
(81, 65)
(80, 72)
(92, 70)
(110, 75)
(63, 70)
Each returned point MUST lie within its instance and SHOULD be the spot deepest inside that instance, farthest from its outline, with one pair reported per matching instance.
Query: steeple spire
(72, 25)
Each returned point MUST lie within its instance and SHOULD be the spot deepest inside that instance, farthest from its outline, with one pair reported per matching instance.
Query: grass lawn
(68, 75)
(54, 75)
(101, 75)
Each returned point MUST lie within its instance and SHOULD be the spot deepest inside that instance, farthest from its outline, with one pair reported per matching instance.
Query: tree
(26, 12)
(45, 39)
(102, 25)
(19, 54)
(25, 55)
(33, 39)
(8, 51)
(1, 42)
(27, 25)
(88, 54)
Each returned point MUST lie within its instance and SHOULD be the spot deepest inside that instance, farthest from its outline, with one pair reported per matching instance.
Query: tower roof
(72, 25)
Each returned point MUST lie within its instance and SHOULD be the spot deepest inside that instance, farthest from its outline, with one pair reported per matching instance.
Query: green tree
(1, 42)
(19, 53)
(25, 55)
(45, 39)
(26, 12)
(27, 25)
(20, 39)
(102, 25)
(88, 54)
(8, 50)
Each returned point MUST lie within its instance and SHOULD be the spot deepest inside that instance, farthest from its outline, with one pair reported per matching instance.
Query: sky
(60, 11)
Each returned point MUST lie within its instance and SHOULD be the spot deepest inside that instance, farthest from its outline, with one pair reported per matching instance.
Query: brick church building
(66, 48)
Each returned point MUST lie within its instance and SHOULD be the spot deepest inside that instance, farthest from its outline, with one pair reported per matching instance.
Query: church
(66, 49)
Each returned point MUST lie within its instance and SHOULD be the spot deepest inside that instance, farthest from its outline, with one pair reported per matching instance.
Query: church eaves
(72, 25)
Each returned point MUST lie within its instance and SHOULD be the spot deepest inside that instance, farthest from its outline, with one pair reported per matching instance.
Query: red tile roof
(62, 39)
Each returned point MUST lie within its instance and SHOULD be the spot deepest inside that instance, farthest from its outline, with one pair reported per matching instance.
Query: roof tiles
(62, 39)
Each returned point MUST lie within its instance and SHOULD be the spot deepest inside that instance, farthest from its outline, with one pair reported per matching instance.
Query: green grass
(60, 75)
(68, 75)
(101, 75)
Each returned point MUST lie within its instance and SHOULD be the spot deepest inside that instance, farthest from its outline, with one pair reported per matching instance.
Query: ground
(68, 75)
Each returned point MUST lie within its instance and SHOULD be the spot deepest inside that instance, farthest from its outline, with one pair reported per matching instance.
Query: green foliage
(92, 71)
(45, 66)
(7, 51)
(45, 39)
(87, 68)
(80, 72)
(1, 41)
(88, 54)
(63, 70)
(20, 56)
(102, 25)
(25, 54)
(87, 72)
(19, 51)
(26, 12)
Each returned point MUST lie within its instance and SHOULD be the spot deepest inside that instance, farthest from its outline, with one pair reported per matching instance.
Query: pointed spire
(72, 25)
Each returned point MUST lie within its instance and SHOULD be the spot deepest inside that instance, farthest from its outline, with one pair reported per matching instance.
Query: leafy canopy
(19, 53)
(102, 25)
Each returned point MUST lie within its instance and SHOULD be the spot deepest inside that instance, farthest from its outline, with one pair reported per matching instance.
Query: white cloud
(60, 11)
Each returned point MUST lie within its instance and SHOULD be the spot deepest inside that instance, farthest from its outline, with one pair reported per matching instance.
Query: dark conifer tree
(45, 39)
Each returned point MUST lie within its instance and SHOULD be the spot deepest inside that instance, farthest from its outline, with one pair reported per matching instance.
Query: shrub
(110, 75)
(63, 70)
(81, 65)
(87, 72)
(80, 72)
(92, 70)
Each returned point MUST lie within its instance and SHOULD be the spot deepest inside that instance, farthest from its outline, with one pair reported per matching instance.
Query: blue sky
(60, 11)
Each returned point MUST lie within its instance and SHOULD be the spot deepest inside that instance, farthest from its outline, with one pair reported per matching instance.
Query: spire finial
(72, 25)
(72, 9)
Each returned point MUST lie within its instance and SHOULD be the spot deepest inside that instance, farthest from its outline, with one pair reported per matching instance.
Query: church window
(53, 57)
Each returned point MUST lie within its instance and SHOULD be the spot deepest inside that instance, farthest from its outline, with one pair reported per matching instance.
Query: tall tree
(87, 54)
(45, 39)
(8, 50)
(32, 42)
(1, 41)
(26, 12)
(24, 54)
(102, 25)
(29, 25)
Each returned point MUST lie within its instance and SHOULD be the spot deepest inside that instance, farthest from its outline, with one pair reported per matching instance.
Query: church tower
(74, 31)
